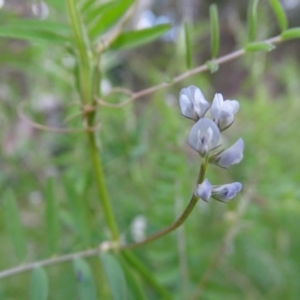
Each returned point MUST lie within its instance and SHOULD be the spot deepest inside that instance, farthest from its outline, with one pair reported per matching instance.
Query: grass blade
(214, 30)
(188, 45)
(38, 285)
(85, 281)
(115, 276)
(14, 225)
(52, 219)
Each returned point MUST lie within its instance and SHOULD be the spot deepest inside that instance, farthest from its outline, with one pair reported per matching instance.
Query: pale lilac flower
(226, 192)
(232, 155)
(192, 103)
(223, 111)
(204, 136)
(203, 190)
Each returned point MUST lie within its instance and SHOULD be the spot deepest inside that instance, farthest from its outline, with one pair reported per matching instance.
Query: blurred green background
(150, 169)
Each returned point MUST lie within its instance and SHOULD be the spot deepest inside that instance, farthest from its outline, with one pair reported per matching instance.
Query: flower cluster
(205, 136)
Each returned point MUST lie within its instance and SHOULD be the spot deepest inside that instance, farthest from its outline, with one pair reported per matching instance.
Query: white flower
(192, 103)
(203, 190)
(204, 136)
(223, 111)
(232, 155)
(226, 192)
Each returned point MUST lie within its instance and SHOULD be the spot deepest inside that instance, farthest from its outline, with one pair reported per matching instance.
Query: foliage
(54, 198)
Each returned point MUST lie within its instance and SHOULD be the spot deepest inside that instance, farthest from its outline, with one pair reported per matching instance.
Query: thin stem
(182, 217)
(101, 187)
(226, 242)
(84, 62)
(49, 261)
(108, 246)
(202, 68)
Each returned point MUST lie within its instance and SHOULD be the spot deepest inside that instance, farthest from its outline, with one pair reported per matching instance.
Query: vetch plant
(88, 31)
(204, 138)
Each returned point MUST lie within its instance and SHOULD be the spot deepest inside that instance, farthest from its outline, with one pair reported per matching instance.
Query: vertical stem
(101, 186)
(86, 87)
(84, 73)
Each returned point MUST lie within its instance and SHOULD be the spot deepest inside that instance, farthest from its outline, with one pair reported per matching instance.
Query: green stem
(101, 187)
(182, 217)
(86, 87)
(84, 62)
(143, 271)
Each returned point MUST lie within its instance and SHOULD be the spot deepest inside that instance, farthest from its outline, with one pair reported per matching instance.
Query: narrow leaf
(79, 210)
(52, 217)
(93, 12)
(188, 46)
(85, 5)
(280, 14)
(115, 276)
(38, 289)
(293, 33)
(214, 30)
(58, 4)
(133, 39)
(14, 225)
(34, 35)
(134, 283)
(109, 17)
(33, 24)
(85, 281)
(252, 20)
(259, 47)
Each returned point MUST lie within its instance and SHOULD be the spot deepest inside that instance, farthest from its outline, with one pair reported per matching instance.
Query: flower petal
(223, 111)
(226, 192)
(232, 155)
(216, 106)
(204, 136)
(192, 103)
(203, 190)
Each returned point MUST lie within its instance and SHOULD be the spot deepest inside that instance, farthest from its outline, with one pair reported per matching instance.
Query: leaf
(34, 35)
(280, 14)
(259, 47)
(79, 211)
(85, 281)
(58, 4)
(109, 17)
(91, 12)
(293, 33)
(38, 289)
(33, 24)
(135, 38)
(14, 225)
(188, 43)
(115, 276)
(252, 20)
(134, 283)
(214, 30)
(52, 219)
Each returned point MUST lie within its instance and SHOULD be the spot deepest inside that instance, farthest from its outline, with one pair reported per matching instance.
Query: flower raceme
(194, 106)
(205, 135)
